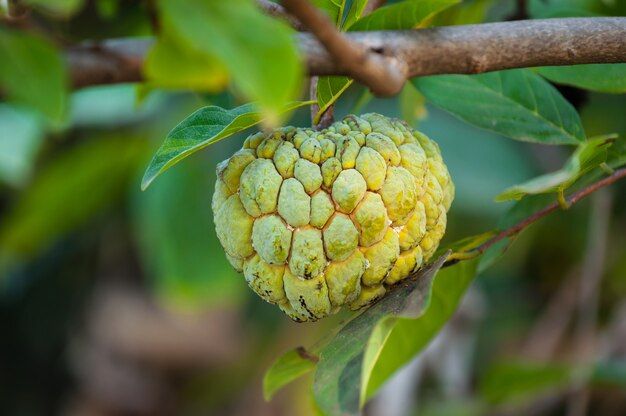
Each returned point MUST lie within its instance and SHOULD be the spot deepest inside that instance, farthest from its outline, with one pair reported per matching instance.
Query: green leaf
(201, 129)
(62, 8)
(515, 382)
(412, 104)
(516, 103)
(543, 9)
(333, 8)
(406, 14)
(21, 136)
(472, 12)
(172, 64)
(258, 51)
(67, 192)
(188, 269)
(329, 89)
(354, 12)
(337, 385)
(586, 157)
(33, 73)
(288, 367)
(608, 78)
(407, 337)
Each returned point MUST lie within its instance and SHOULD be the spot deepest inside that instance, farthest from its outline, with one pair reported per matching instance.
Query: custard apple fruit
(317, 220)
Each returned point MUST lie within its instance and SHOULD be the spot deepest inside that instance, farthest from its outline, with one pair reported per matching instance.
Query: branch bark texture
(383, 75)
(468, 49)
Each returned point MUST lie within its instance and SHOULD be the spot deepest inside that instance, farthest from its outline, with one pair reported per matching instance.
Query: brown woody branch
(468, 49)
(555, 206)
(384, 76)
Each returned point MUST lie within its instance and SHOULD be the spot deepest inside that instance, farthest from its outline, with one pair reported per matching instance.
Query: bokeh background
(115, 301)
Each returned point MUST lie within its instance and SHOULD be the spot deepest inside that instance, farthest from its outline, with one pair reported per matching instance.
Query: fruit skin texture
(317, 220)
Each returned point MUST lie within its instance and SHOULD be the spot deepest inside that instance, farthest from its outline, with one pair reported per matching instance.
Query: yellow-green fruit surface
(317, 220)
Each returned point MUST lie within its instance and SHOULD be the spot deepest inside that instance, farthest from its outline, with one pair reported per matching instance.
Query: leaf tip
(147, 179)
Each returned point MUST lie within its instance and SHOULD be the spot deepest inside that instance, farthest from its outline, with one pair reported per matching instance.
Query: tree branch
(468, 49)
(472, 49)
(517, 228)
(382, 75)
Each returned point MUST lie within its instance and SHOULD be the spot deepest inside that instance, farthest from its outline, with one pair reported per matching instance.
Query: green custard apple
(317, 220)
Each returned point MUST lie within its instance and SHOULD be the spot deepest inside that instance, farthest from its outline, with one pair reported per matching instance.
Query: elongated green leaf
(201, 129)
(259, 52)
(329, 89)
(407, 337)
(587, 156)
(516, 103)
(337, 385)
(172, 64)
(609, 78)
(406, 14)
(32, 73)
(288, 367)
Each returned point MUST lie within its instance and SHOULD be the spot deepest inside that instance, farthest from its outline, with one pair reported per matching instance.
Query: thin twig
(382, 75)
(571, 200)
(468, 49)
(521, 225)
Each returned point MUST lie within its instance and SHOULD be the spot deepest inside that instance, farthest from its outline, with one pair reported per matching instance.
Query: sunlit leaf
(329, 89)
(201, 129)
(587, 156)
(354, 12)
(608, 78)
(516, 103)
(32, 73)
(259, 51)
(172, 64)
(337, 385)
(406, 14)
(288, 367)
